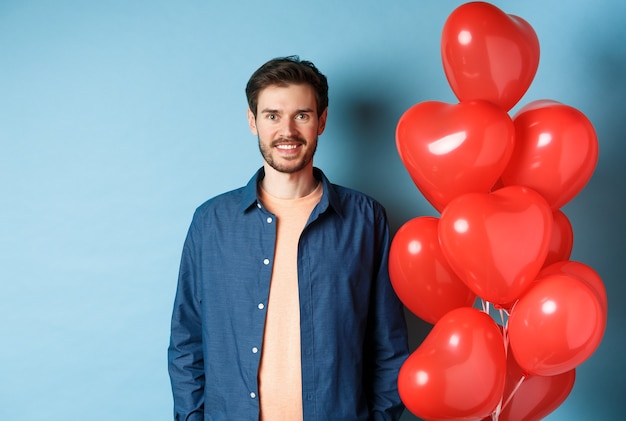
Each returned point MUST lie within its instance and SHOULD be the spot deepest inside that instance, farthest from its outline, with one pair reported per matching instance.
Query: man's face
(287, 126)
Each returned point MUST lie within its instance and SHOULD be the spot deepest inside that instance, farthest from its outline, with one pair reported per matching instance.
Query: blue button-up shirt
(353, 332)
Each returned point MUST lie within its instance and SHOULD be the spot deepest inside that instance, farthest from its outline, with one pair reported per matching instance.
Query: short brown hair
(283, 71)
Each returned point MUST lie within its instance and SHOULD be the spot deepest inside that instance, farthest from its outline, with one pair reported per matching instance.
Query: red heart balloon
(488, 54)
(582, 272)
(556, 151)
(453, 149)
(458, 371)
(556, 325)
(562, 240)
(421, 275)
(497, 242)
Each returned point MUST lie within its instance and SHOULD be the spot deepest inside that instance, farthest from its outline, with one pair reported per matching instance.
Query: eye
(302, 116)
(272, 117)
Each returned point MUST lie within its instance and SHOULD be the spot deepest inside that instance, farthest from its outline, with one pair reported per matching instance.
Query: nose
(288, 127)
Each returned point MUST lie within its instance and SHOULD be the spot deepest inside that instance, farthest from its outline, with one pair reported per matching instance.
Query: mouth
(288, 145)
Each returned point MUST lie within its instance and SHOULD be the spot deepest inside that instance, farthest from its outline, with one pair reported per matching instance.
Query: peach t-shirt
(280, 372)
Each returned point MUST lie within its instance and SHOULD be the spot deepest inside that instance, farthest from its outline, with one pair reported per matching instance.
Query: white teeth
(286, 146)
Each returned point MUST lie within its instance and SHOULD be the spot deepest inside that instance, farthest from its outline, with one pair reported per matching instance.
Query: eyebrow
(274, 111)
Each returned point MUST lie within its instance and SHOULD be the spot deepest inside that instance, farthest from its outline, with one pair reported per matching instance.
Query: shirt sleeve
(387, 341)
(185, 357)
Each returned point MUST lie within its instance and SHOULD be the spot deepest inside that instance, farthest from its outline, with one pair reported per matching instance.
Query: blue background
(118, 118)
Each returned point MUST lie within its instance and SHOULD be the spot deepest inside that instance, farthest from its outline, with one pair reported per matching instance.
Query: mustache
(292, 139)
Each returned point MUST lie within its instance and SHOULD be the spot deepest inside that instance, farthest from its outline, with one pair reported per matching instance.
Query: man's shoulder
(355, 202)
(349, 194)
(226, 202)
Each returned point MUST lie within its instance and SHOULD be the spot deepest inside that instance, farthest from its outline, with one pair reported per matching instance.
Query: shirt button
(258, 205)
(266, 261)
(252, 395)
(261, 306)
(255, 349)
(269, 219)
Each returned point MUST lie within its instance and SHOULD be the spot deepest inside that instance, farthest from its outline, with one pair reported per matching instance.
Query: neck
(289, 186)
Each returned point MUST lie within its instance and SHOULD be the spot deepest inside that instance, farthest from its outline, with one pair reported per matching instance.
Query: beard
(288, 166)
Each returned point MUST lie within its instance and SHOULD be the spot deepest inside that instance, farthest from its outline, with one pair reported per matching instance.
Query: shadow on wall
(598, 221)
(367, 112)
(367, 123)
(603, 72)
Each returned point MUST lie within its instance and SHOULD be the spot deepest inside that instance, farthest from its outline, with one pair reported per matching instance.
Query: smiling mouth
(286, 146)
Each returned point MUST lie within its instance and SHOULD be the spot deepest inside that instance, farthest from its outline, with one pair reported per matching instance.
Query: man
(284, 309)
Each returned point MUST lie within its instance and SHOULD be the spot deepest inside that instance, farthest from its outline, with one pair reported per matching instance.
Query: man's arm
(388, 343)
(185, 357)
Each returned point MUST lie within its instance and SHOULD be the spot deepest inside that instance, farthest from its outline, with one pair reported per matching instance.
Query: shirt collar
(330, 198)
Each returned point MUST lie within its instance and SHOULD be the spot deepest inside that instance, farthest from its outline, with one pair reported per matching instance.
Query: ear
(321, 125)
(252, 123)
